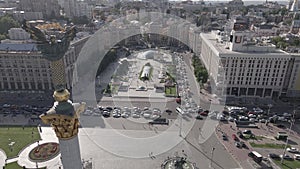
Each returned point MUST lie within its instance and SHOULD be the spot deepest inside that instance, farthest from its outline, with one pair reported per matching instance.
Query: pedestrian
(40, 128)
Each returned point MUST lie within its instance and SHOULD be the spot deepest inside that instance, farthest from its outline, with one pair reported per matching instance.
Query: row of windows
(23, 66)
(254, 83)
(25, 79)
(256, 79)
(275, 75)
(23, 74)
(256, 66)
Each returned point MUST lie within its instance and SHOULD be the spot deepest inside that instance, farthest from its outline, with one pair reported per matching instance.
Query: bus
(255, 156)
(179, 110)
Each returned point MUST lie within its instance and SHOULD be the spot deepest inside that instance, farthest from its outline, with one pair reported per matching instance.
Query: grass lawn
(268, 145)
(248, 137)
(15, 165)
(171, 91)
(287, 164)
(21, 138)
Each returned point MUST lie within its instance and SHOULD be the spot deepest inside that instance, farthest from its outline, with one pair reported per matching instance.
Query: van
(255, 156)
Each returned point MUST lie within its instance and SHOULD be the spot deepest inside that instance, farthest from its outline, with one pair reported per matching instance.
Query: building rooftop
(18, 47)
(224, 47)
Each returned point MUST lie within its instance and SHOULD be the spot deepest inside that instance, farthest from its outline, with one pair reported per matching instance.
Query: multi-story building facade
(241, 67)
(294, 85)
(23, 67)
(18, 34)
(49, 8)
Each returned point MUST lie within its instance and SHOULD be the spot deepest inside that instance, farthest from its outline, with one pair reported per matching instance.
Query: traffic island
(177, 163)
(44, 152)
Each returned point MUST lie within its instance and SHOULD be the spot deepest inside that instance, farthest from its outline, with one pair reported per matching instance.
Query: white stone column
(70, 153)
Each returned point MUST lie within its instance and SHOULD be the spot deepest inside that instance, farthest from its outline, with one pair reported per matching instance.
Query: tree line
(200, 71)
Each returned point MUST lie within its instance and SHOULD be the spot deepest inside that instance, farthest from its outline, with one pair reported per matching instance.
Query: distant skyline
(242, 0)
(247, 2)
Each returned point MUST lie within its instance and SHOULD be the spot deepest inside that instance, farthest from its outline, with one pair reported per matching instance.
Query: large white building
(243, 67)
(23, 67)
(294, 85)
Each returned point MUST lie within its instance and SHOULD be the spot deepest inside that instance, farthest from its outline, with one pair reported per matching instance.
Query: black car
(274, 156)
(162, 121)
(240, 134)
(106, 114)
(247, 132)
(224, 137)
(168, 111)
(280, 126)
(109, 108)
(198, 117)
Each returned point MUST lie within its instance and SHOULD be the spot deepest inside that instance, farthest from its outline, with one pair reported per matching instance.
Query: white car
(154, 116)
(297, 156)
(125, 114)
(135, 115)
(147, 114)
(262, 120)
(292, 150)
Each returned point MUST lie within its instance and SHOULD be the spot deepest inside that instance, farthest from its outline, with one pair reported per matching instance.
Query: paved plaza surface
(122, 148)
(133, 143)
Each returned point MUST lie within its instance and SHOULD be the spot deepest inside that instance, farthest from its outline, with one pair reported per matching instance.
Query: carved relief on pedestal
(65, 127)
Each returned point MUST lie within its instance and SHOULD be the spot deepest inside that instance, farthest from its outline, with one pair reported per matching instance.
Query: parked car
(297, 156)
(198, 117)
(247, 132)
(162, 121)
(224, 137)
(204, 113)
(231, 119)
(234, 137)
(106, 114)
(243, 144)
(274, 156)
(136, 115)
(125, 114)
(237, 144)
(147, 114)
(286, 157)
(292, 150)
(109, 108)
(116, 115)
(240, 134)
(280, 126)
(168, 111)
(262, 120)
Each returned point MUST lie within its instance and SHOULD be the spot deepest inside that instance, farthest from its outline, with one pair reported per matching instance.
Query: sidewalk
(2, 158)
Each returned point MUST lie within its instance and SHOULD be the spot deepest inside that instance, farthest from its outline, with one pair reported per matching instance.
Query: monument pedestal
(70, 153)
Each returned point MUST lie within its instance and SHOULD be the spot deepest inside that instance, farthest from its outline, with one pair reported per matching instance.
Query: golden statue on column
(63, 116)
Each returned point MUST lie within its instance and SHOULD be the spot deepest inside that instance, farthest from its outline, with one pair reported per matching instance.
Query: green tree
(7, 22)
(2, 37)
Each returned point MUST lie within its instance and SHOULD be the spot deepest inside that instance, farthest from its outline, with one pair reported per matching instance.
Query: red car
(234, 137)
(204, 113)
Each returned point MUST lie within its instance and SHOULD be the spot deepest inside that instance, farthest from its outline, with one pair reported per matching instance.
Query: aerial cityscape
(152, 84)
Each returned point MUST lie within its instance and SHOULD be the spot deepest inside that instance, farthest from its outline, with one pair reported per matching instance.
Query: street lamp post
(180, 125)
(269, 107)
(212, 156)
(287, 140)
